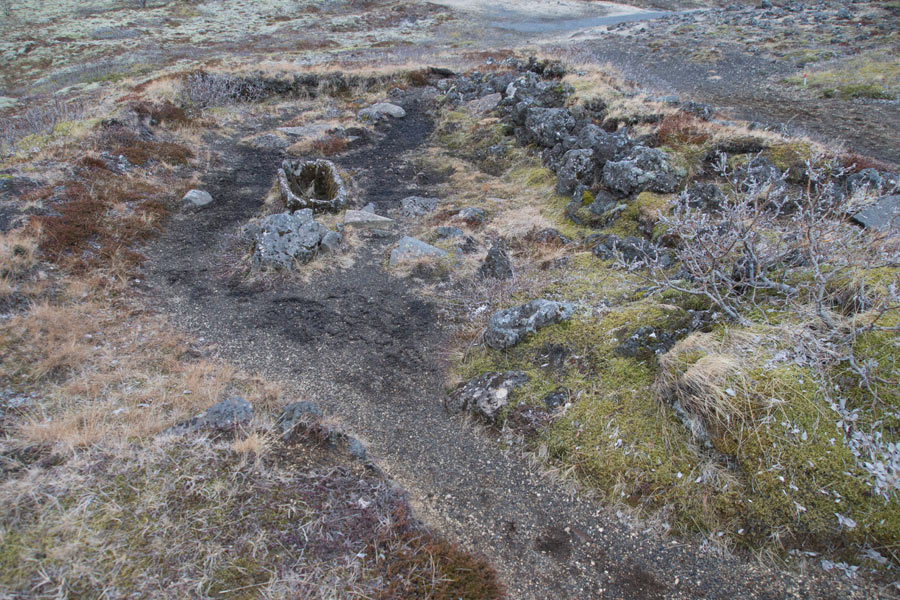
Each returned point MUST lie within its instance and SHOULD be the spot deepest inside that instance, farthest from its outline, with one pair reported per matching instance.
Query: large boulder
(644, 169)
(547, 126)
(282, 239)
(486, 395)
(314, 184)
(508, 327)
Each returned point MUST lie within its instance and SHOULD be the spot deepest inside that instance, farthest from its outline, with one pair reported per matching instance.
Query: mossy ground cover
(725, 433)
(872, 75)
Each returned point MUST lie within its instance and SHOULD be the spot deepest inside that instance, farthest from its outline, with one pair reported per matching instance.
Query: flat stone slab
(410, 249)
(363, 219)
(314, 130)
(883, 215)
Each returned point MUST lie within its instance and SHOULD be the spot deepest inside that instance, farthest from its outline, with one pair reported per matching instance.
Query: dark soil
(364, 345)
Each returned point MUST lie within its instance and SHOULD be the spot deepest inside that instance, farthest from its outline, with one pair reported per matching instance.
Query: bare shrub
(203, 90)
(38, 120)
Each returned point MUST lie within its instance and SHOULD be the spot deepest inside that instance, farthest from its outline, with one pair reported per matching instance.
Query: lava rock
(632, 249)
(221, 416)
(417, 206)
(471, 216)
(547, 126)
(576, 170)
(496, 264)
(645, 168)
(883, 215)
(487, 394)
(508, 327)
(444, 233)
(281, 239)
(297, 413)
(707, 197)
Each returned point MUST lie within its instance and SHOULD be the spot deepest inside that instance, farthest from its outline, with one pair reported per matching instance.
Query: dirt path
(364, 345)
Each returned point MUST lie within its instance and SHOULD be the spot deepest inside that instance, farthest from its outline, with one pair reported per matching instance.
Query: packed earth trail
(366, 346)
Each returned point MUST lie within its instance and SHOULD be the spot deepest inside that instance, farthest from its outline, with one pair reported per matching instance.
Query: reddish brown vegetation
(332, 144)
(681, 128)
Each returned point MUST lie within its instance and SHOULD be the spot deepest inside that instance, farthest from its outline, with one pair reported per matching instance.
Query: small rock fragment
(508, 327)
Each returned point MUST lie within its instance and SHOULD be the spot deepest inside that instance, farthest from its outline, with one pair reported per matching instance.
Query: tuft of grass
(873, 75)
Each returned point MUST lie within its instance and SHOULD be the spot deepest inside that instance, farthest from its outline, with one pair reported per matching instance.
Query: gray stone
(223, 415)
(556, 399)
(471, 216)
(606, 146)
(314, 184)
(269, 141)
(380, 111)
(197, 199)
(632, 249)
(356, 448)
(496, 264)
(281, 239)
(313, 130)
(486, 395)
(484, 104)
(576, 170)
(508, 327)
(707, 197)
(443, 233)
(361, 219)
(297, 413)
(417, 206)
(548, 126)
(369, 208)
(645, 168)
(331, 242)
(883, 215)
(410, 249)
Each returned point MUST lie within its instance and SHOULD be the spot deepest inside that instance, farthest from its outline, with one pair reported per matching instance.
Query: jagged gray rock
(297, 413)
(577, 169)
(417, 206)
(281, 239)
(314, 184)
(471, 216)
(883, 215)
(508, 327)
(486, 395)
(496, 264)
(220, 416)
(645, 168)
(548, 126)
